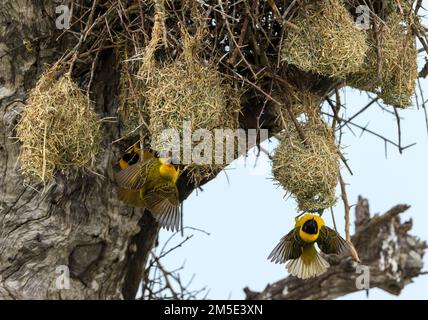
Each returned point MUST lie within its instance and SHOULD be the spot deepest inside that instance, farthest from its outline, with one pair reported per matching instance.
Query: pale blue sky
(246, 213)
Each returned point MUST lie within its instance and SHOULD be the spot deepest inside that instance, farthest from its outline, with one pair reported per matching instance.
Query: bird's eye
(131, 158)
(134, 159)
(127, 157)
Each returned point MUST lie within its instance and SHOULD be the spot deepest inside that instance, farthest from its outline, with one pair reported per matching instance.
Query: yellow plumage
(306, 236)
(132, 155)
(151, 184)
(298, 247)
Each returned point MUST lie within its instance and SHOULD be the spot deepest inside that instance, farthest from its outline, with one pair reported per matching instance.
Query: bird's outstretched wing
(130, 197)
(290, 247)
(330, 242)
(135, 176)
(164, 204)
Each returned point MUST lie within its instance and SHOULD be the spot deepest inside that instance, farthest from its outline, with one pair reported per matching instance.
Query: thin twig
(360, 111)
(346, 206)
(332, 218)
(397, 117)
(232, 37)
(364, 129)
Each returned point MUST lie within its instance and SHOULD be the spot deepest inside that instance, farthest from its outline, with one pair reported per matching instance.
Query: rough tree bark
(383, 244)
(75, 222)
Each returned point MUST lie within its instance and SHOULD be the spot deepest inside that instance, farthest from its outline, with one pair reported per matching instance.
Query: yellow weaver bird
(150, 183)
(132, 155)
(298, 247)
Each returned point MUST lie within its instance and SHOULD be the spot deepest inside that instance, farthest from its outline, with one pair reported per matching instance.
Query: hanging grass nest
(308, 169)
(187, 90)
(304, 106)
(395, 81)
(327, 41)
(57, 129)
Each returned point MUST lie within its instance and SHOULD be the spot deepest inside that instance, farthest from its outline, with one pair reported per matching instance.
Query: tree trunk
(393, 257)
(77, 223)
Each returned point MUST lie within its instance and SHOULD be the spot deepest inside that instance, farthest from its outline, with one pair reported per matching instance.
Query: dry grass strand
(308, 170)
(57, 129)
(396, 85)
(328, 41)
(190, 91)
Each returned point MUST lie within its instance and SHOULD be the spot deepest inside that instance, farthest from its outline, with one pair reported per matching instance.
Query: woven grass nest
(187, 90)
(304, 106)
(398, 58)
(328, 41)
(58, 128)
(308, 170)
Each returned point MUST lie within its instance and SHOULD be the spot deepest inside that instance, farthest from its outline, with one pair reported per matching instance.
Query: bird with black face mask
(147, 181)
(298, 247)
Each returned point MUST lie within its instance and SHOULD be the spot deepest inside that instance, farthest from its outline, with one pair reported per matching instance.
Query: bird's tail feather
(308, 265)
